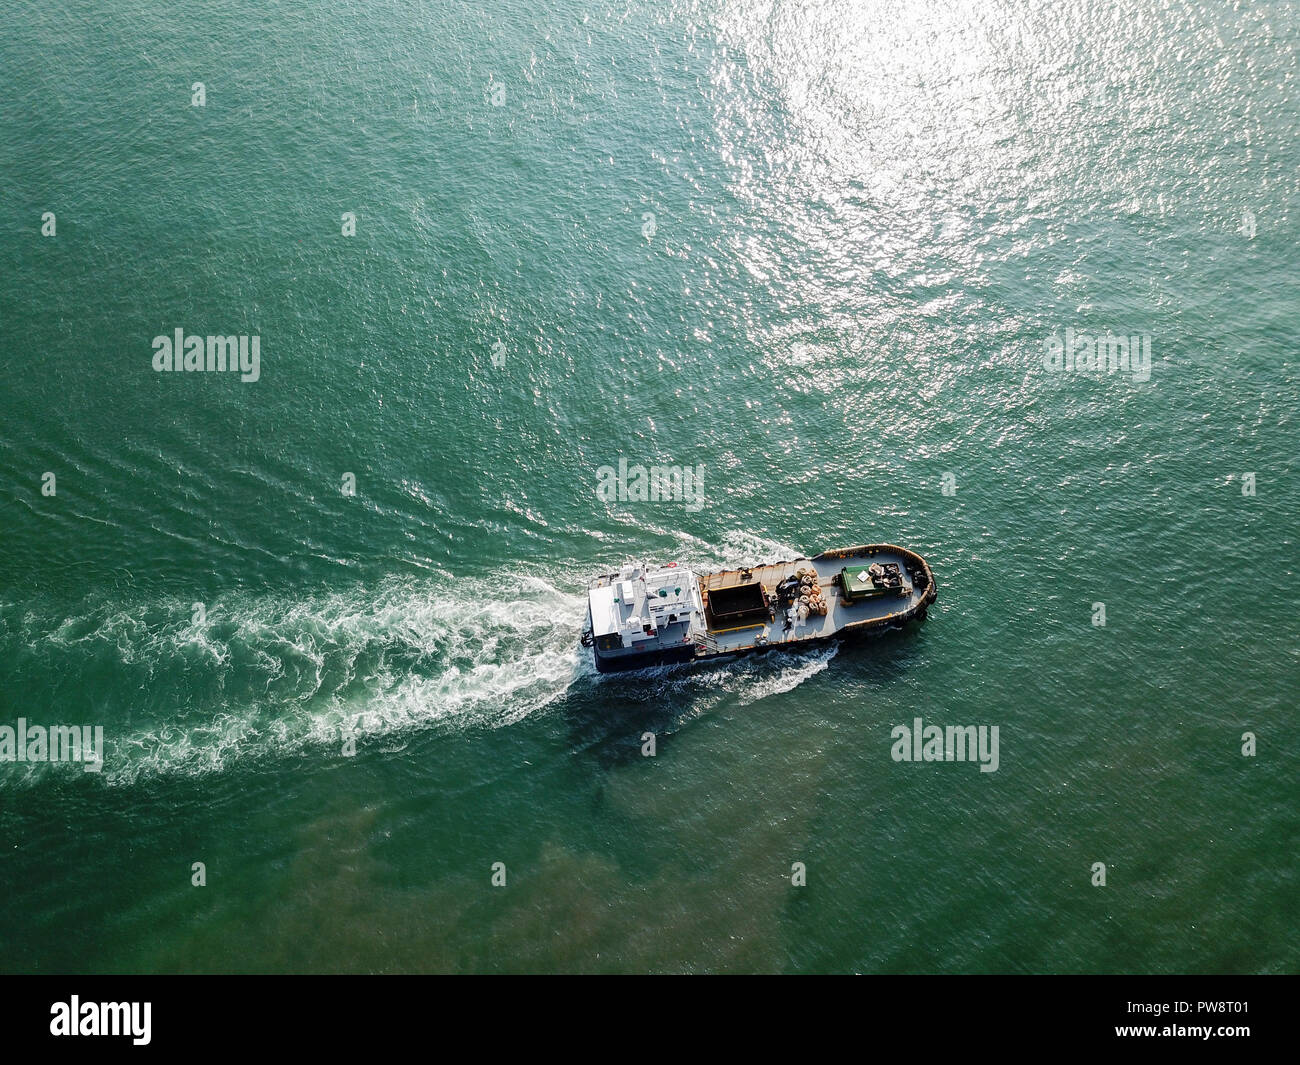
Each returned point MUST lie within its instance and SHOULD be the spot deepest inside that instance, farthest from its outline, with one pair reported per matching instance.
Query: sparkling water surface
(816, 250)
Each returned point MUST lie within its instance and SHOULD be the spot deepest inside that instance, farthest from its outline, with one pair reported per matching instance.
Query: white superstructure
(642, 603)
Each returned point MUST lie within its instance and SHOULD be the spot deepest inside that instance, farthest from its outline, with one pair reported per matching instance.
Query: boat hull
(650, 660)
(854, 606)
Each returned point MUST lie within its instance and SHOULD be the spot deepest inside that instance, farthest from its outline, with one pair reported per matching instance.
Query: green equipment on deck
(858, 585)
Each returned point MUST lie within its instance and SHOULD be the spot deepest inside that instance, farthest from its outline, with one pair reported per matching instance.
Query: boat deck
(838, 615)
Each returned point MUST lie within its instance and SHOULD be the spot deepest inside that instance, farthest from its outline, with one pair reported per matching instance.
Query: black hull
(850, 635)
(627, 662)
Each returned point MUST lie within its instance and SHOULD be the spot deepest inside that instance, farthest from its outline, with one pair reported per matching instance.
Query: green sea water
(817, 250)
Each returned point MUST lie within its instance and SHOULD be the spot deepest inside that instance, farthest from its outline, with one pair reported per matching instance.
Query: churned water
(849, 263)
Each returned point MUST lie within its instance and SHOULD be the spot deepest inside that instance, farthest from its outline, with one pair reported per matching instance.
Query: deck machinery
(652, 615)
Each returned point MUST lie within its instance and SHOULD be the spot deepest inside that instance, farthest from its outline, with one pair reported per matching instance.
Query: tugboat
(653, 615)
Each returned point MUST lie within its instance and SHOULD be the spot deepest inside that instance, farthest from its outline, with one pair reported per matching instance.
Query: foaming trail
(265, 676)
(739, 547)
(698, 690)
(259, 676)
(790, 676)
